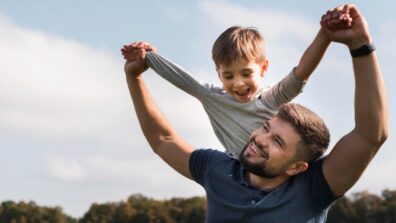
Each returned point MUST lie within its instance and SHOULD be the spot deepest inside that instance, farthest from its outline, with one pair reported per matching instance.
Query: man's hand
(354, 35)
(135, 56)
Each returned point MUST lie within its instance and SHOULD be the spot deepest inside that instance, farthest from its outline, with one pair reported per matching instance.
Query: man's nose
(262, 138)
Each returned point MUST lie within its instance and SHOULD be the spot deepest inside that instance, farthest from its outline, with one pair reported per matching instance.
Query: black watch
(366, 49)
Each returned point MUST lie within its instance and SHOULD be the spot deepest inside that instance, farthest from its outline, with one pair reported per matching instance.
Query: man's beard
(260, 168)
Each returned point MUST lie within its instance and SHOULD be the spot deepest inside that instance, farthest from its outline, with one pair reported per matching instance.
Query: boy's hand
(135, 56)
(337, 19)
(354, 36)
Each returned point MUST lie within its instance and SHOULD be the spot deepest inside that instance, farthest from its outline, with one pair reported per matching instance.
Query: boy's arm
(159, 133)
(292, 84)
(312, 56)
(351, 155)
(167, 69)
(315, 51)
(177, 75)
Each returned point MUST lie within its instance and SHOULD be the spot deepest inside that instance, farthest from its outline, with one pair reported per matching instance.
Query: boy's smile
(242, 79)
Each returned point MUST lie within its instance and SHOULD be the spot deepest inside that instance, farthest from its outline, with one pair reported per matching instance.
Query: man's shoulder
(212, 155)
(203, 161)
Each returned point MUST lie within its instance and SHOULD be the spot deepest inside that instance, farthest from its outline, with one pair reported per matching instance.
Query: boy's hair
(315, 136)
(236, 43)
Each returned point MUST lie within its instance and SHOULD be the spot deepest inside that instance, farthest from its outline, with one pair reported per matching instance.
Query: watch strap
(366, 49)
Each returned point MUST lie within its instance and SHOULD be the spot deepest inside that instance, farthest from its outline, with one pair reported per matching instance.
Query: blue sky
(68, 132)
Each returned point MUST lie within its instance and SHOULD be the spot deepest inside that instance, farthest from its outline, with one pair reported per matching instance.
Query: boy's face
(242, 79)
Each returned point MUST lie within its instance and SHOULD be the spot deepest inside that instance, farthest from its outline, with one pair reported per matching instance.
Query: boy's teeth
(242, 93)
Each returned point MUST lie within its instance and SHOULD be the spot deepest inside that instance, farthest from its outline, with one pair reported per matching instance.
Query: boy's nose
(239, 83)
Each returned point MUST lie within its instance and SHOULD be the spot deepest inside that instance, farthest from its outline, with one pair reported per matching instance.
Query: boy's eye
(247, 74)
(228, 77)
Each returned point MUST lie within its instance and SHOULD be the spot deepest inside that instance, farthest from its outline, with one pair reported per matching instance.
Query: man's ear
(264, 67)
(297, 168)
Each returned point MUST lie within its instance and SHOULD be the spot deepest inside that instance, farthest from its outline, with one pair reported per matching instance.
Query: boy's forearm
(312, 56)
(175, 74)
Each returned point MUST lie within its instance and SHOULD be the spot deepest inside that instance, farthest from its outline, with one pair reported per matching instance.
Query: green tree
(30, 212)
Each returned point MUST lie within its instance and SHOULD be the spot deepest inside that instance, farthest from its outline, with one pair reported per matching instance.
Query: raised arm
(315, 51)
(351, 155)
(159, 133)
(167, 69)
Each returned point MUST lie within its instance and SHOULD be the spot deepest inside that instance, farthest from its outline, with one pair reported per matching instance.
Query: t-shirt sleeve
(201, 161)
(282, 92)
(319, 189)
(176, 75)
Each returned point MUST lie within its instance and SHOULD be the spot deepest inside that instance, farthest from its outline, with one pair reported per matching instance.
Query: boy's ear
(297, 168)
(218, 74)
(264, 67)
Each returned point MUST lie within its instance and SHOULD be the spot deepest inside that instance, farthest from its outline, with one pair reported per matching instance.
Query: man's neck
(263, 183)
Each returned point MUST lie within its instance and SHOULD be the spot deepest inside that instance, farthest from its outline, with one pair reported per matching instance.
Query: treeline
(365, 207)
(361, 207)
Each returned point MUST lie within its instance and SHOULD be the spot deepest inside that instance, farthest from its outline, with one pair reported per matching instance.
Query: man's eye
(265, 128)
(279, 143)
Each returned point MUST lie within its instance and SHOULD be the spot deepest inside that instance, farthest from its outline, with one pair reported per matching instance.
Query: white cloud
(68, 105)
(273, 23)
(65, 170)
(51, 85)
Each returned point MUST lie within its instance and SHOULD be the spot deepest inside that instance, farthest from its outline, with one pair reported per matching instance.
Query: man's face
(271, 149)
(242, 79)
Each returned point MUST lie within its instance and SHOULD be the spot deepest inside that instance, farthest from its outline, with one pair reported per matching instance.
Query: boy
(241, 105)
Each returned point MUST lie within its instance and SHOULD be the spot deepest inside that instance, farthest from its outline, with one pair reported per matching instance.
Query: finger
(345, 9)
(136, 44)
(353, 11)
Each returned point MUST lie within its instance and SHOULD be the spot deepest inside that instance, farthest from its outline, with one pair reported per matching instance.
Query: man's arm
(159, 133)
(351, 155)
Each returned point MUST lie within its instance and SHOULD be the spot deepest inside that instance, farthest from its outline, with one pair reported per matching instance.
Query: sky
(69, 135)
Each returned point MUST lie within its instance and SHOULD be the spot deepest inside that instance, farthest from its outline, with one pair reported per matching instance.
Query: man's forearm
(371, 111)
(152, 123)
(312, 56)
(161, 136)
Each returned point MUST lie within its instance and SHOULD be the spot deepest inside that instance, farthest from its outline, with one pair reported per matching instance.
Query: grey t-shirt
(305, 197)
(231, 120)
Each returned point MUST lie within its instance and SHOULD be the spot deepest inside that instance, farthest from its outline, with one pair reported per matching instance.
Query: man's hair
(315, 136)
(238, 43)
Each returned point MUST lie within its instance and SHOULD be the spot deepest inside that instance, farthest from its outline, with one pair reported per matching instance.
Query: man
(279, 178)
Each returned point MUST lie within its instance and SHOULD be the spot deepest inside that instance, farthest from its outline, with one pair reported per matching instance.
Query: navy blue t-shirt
(302, 198)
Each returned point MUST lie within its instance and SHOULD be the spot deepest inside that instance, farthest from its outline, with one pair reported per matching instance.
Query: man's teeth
(258, 151)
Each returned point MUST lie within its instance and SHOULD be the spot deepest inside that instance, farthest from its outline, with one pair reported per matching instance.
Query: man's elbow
(380, 138)
(158, 143)
(383, 135)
